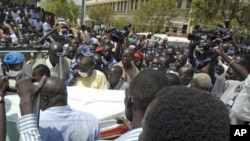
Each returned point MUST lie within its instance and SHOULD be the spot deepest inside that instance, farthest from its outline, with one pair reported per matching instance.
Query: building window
(184, 28)
(136, 2)
(125, 5)
(188, 4)
(179, 4)
(113, 5)
(122, 6)
(132, 4)
(118, 6)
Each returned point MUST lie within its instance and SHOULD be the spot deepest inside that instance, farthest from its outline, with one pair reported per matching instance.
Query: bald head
(54, 93)
(127, 56)
(56, 46)
(54, 49)
(117, 70)
(201, 81)
(54, 86)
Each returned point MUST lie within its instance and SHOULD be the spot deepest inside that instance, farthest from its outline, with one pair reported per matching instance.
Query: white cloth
(241, 107)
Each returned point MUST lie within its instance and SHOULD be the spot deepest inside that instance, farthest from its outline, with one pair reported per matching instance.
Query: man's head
(180, 61)
(173, 79)
(142, 91)
(201, 81)
(185, 114)
(13, 64)
(114, 75)
(171, 52)
(160, 49)
(39, 71)
(127, 57)
(156, 64)
(86, 66)
(54, 50)
(107, 52)
(70, 52)
(138, 59)
(98, 60)
(53, 93)
(165, 61)
(186, 74)
(148, 56)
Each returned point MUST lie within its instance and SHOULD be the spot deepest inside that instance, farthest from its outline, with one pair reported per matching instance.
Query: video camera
(118, 35)
(205, 38)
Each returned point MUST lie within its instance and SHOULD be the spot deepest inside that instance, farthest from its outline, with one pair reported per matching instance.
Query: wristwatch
(2, 99)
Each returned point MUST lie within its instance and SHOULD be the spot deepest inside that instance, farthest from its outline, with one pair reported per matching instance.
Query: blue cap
(85, 50)
(14, 58)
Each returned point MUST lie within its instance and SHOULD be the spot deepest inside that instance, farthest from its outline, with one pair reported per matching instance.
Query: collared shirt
(131, 135)
(96, 80)
(128, 73)
(55, 71)
(61, 123)
(28, 128)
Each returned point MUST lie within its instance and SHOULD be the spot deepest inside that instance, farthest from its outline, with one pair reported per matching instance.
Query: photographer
(238, 102)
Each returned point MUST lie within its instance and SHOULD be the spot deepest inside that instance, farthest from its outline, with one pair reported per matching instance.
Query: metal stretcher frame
(24, 50)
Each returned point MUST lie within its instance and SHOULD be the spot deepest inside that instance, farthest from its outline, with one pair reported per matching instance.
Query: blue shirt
(111, 62)
(28, 128)
(131, 135)
(61, 123)
(70, 78)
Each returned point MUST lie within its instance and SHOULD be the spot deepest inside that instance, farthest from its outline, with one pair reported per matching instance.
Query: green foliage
(101, 14)
(213, 12)
(62, 8)
(154, 14)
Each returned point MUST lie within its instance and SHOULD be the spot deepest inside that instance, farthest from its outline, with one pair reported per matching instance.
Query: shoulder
(39, 62)
(85, 116)
(67, 60)
(98, 73)
(131, 135)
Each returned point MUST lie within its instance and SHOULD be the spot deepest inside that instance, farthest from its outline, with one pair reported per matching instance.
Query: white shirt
(51, 68)
(38, 25)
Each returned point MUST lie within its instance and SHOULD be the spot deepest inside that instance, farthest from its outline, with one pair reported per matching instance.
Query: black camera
(118, 35)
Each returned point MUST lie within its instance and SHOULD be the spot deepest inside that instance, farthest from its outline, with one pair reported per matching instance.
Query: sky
(78, 2)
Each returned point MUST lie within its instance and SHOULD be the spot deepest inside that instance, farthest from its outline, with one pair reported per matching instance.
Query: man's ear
(130, 102)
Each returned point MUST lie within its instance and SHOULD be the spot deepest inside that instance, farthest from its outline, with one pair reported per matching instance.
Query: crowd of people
(170, 92)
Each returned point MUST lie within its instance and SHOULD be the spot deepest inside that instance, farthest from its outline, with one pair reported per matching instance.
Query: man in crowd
(89, 77)
(114, 78)
(58, 121)
(140, 93)
(164, 120)
(129, 69)
(186, 74)
(52, 61)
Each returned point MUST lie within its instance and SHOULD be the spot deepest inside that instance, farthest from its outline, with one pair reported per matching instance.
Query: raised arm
(27, 92)
(3, 87)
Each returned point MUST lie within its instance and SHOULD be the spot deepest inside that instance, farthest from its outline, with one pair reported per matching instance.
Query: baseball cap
(14, 58)
(84, 50)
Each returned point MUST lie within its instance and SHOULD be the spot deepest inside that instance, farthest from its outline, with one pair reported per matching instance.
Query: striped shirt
(28, 128)
(131, 135)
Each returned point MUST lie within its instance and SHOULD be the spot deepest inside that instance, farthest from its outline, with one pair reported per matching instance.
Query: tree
(213, 12)
(62, 8)
(101, 14)
(154, 14)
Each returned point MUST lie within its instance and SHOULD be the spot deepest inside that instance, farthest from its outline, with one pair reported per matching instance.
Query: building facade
(125, 8)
